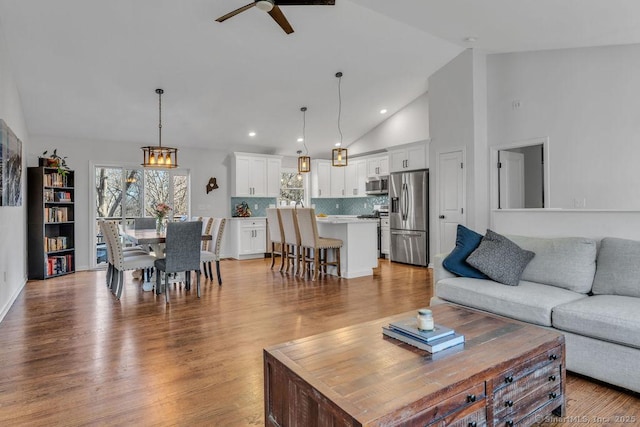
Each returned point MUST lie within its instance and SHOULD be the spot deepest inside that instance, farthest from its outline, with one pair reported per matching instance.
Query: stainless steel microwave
(378, 185)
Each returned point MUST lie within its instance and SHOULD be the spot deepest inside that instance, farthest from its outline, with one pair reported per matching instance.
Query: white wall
(457, 94)
(586, 101)
(409, 124)
(202, 164)
(13, 222)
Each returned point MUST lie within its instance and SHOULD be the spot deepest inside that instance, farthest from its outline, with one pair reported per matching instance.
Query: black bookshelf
(51, 232)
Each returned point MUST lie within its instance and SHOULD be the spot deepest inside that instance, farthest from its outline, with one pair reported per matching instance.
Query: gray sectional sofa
(589, 290)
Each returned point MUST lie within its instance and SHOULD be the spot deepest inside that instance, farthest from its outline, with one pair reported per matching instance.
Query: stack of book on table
(438, 339)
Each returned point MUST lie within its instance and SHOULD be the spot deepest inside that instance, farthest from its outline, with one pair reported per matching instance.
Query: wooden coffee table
(506, 373)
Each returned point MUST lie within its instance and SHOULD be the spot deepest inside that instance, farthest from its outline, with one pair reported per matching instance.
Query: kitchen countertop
(346, 220)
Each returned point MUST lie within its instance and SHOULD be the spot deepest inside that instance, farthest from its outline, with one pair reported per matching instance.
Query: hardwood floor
(73, 355)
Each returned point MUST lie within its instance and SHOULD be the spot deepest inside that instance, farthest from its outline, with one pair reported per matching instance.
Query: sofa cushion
(530, 302)
(611, 318)
(500, 259)
(618, 270)
(565, 262)
(466, 242)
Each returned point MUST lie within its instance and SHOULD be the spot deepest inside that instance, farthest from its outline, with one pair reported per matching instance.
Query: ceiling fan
(273, 9)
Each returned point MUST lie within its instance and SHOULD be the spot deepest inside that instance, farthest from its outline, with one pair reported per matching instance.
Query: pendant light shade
(339, 155)
(159, 156)
(304, 162)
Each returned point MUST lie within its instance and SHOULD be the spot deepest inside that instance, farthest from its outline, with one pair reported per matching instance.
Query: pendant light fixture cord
(159, 92)
(304, 129)
(339, 76)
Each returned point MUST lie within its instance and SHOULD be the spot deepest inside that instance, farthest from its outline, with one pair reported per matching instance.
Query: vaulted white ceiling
(89, 68)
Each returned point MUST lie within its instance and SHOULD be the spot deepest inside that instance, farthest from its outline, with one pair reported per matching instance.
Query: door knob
(441, 217)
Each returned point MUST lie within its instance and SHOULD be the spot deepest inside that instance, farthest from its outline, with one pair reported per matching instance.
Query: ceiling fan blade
(235, 12)
(306, 3)
(278, 16)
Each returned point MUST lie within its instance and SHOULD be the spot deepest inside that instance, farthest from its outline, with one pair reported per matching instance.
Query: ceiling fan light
(265, 5)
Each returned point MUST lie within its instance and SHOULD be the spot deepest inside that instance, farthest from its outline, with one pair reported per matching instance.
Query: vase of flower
(161, 211)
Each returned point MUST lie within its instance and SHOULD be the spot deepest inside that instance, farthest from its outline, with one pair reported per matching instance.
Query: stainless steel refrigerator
(409, 217)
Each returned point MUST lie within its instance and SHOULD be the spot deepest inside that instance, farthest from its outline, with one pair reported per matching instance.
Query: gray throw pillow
(500, 259)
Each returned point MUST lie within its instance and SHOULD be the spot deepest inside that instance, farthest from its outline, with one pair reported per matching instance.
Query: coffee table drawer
(449, 410)
(510, 377)
(537, 385)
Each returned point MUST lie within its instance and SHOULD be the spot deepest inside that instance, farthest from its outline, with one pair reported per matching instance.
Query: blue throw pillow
(466, 242)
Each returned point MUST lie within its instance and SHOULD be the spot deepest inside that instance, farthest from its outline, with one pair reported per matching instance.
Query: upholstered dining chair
(276, 235)
(144, 223)
(207, 223)
(182, 254)
(133, 251)
(291, 239)
(121, 262)
(213, 251)
(314, 247)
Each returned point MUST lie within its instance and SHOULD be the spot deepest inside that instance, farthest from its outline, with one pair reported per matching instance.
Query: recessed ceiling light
(383, 111)
(338, 144)
(300, 139)
(252, 134)
(471, 39)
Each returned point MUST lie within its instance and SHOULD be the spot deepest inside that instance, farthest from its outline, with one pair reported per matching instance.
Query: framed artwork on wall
(10, 167)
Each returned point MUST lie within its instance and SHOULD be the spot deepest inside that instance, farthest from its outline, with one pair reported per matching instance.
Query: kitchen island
(359, 252)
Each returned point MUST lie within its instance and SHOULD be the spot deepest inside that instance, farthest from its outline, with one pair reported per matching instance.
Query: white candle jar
(425, 320)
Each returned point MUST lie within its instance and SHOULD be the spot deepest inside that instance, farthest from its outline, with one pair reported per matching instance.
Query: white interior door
(450, 190)
(511, 175)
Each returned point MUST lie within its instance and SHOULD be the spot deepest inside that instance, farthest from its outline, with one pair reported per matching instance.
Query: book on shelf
(55, 243)
(432, 347)
(59, 264)
(410, 326)
(55, 180)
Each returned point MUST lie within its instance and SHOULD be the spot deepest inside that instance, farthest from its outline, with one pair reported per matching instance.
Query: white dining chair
(213, 252)
(122, 263)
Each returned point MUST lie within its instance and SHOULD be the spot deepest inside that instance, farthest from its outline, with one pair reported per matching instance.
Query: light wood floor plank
(70, 354)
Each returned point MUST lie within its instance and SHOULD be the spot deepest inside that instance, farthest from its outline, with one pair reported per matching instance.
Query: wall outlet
(337, 205)
(365, 205)
(255, 206)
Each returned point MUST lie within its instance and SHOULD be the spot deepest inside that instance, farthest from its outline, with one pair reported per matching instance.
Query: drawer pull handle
(553, 357)
(552, 396)
(471, 398)
(472, 424)
(552, 378)
(509, 423)
(508, 379)
(508, 403)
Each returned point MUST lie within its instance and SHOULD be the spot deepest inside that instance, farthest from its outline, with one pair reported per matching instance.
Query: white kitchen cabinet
(355, 178)
(320, 178)
(255, 175)
(385, 236)
(410, 157)
(377, 166)
(337, 181)
(248, 237)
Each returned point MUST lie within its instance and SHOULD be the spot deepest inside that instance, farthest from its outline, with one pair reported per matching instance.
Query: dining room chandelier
(304, 162)
(339, 156)
(159, 156)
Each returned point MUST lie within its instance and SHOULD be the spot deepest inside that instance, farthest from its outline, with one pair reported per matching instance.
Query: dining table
(152, 238)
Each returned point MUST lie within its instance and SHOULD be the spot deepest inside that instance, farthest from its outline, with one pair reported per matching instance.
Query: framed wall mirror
(520, 175)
